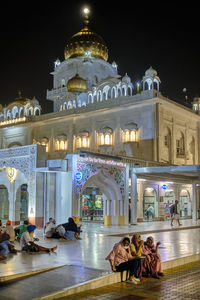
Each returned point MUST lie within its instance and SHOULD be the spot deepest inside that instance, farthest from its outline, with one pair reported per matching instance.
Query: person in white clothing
(27, 242)
(9, 230)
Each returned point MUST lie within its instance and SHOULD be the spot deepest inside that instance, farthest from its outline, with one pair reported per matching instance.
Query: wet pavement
(98, 240)
(181, 283)
(47, 283)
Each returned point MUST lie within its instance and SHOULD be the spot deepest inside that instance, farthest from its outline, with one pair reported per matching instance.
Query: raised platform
(84, 261)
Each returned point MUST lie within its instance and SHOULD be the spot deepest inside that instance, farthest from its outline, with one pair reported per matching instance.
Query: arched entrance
(4, 204)
(101, 198)
(185, 204)
(92, 204)
(21, 203)
(150, 204)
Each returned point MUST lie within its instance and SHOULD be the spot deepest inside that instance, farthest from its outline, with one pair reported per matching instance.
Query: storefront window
(185, 204)
(92, 204)
(150, 204)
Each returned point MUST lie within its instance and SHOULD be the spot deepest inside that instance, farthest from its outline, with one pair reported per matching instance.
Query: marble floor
(98, 240)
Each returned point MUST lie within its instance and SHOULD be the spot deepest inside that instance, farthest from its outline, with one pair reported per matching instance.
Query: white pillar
(194, 202)
(133, 197)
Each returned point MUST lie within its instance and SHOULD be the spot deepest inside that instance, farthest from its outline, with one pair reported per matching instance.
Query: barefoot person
(27, 242)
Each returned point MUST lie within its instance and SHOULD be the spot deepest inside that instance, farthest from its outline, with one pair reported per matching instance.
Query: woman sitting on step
(136, 248)
(121, 259)
(152, 267)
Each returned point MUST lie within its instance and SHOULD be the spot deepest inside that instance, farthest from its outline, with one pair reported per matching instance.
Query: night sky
(138, 36)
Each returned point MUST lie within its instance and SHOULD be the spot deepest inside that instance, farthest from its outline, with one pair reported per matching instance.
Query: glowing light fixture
(12, 121)
(11, 173)
(86, 11)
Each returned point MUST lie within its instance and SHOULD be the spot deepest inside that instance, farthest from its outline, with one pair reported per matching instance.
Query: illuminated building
(102, 126)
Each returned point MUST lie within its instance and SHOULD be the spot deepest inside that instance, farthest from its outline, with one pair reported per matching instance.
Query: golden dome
(77, 84)
(20, 99)
(86, 43)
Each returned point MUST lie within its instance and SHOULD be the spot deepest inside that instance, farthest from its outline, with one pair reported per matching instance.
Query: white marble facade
(110, 117)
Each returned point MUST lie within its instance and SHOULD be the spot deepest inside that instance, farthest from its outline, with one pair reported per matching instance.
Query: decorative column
(133, 197)
(194, 201)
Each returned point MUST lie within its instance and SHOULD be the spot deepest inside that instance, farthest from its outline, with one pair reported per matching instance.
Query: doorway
(92, 204)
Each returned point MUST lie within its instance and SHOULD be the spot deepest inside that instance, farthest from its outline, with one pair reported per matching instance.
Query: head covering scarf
(120, 242)
(70, 226)
(134, 240)
(152, 240)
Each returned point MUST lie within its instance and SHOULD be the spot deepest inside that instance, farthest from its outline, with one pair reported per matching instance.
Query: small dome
(151, 72)
(126, 78)
(20, 100)
(77, 85)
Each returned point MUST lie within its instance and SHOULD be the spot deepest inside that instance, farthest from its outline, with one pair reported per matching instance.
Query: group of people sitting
(136, 256)
(65, 231)
(24, 234)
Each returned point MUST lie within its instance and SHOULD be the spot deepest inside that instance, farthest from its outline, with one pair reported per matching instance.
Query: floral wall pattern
(89, 169)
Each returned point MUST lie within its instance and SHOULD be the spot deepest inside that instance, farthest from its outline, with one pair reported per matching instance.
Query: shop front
(92, 204)
(155, 197)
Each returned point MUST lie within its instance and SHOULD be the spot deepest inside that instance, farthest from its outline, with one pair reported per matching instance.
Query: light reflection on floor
(96, 243)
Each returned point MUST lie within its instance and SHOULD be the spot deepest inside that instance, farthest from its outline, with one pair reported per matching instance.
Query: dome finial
(86, 11)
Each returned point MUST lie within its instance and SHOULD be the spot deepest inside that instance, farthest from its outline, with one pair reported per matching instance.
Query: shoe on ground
(137, 279)
(160, 274)
(132, 281)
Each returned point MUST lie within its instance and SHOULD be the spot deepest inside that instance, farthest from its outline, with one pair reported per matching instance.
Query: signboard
(78, 176)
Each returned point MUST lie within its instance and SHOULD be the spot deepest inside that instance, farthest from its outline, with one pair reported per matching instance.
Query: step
(113, 278)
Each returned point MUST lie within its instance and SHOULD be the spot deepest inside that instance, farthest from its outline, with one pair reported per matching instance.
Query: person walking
(174, 213)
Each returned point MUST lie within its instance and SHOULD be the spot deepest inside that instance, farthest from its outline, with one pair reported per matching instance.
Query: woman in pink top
(121, 259)
(152, 267)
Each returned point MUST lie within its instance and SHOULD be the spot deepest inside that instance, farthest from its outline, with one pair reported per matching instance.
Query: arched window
(129, 91)
(69, 105)
(9, 114)
(36, 111)
(124, 90)
(90, 99)
(15, 112)
(109, 93)
(113, 92)
(83, 140)
(180, 146)
(63, 83)
(104, 96)
(61, 144)
(99, 96)
(129, 135)
(119, 92)
(30, 111)
(106, 137)
(21, 111)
